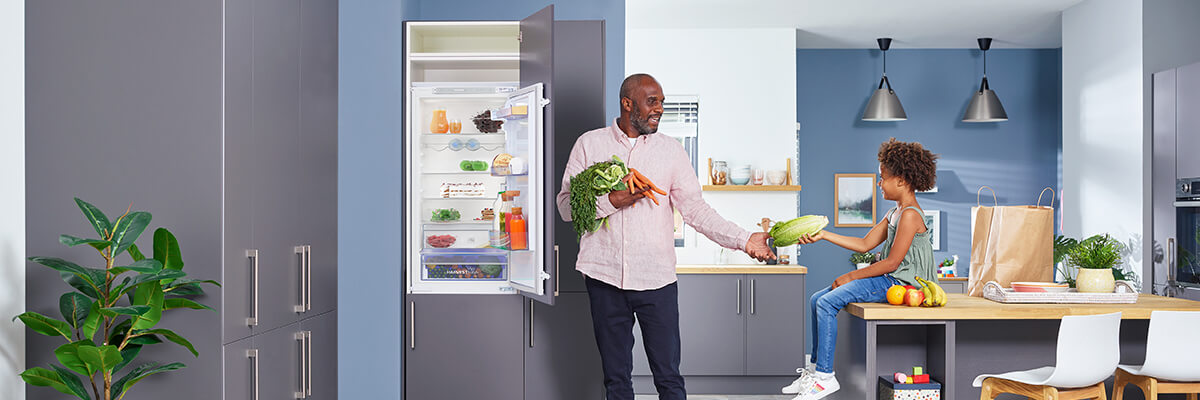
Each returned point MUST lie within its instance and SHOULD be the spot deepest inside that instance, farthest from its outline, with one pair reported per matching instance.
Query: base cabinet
(954, 286)
(775, 324)
(561, 358)
(297, 361)
(240, 360)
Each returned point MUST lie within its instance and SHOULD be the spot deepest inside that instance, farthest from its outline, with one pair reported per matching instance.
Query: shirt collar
(620, 135)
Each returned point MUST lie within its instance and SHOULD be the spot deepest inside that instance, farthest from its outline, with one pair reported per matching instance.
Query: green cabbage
(788, 233)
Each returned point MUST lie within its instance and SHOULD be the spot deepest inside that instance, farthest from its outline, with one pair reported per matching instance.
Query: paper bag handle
(978, 193)
(1039, 203)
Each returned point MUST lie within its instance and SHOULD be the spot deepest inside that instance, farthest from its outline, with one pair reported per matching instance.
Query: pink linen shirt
(636, 251)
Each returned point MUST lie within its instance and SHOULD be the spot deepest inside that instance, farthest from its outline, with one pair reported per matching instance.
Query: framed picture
(933, 221)
(854, 195)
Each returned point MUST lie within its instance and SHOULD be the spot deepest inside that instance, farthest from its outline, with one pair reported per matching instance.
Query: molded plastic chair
(1172, 364)
(1088, 351)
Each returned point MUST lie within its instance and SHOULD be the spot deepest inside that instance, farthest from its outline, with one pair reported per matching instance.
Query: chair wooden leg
(1192, 396)
(987, 392)
(1119, 383)
(1050, 393)
(1101, 391)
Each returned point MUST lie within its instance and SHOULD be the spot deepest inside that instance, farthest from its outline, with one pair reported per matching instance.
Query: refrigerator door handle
(557, 271)
(299, 308)
(252, 320)
(531, 323)
(299, 336)
(252, 354)
(412, 325)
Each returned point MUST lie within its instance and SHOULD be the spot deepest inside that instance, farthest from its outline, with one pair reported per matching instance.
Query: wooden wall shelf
(751, 188)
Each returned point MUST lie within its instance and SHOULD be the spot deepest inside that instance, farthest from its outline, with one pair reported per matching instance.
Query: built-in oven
(1184, 249)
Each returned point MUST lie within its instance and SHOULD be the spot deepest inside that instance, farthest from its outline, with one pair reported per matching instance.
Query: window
(680, 120)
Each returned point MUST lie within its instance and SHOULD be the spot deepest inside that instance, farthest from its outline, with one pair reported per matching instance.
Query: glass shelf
(489, 173)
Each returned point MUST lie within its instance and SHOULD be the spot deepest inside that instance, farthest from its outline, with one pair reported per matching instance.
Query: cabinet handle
(739, 297)
(752, 296)
(531, 323)
(253, 355)
(412, 325)
(299, 250)
(1170, 288)
(557, 272)
(299, 336)
(253, 256)
(308, 281)
(308, 349)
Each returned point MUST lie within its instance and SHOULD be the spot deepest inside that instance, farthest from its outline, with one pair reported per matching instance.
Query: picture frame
(933, 222)
(854, 200)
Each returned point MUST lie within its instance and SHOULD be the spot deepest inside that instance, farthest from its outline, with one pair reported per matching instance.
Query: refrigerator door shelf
(527, 141)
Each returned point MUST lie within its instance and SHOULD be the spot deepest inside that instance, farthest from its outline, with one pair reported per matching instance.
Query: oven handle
(1182, 204)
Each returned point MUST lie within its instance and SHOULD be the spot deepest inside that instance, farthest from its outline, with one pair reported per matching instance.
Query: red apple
(913, 298)
(909, 287)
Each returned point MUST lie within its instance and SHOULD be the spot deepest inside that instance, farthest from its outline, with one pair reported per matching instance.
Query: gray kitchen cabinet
(280, 366)
(322, 352)
(775, 319)
(317, 195)
(1162, 172)
(1187, 95)
(954, 286)
(712, 323)
(239, 257)
(463, 347)
(561, 358)
(241, 363)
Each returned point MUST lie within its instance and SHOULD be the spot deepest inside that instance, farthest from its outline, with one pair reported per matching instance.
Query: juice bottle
(498, 237)
(517, 230)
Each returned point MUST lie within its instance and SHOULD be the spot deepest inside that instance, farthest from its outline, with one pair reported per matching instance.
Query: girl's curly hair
(911, 162)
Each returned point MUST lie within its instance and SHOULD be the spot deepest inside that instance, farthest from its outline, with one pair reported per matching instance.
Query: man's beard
(641, 123)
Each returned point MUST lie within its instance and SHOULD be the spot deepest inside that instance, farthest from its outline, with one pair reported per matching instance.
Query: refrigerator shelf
(514, 112)
(456, 173)
(459, 198)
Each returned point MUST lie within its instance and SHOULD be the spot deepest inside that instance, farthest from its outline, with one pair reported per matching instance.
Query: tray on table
(1124, 293)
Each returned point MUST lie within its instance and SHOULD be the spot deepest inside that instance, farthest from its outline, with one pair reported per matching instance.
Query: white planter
(1092, 280)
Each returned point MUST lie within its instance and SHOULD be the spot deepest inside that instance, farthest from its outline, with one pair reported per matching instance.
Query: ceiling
(856, 23)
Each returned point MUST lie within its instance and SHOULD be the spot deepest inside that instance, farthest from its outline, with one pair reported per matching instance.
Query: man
(630, 264)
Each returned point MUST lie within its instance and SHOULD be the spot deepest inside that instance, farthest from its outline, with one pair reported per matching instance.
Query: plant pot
(1095, 280)
(862, 265)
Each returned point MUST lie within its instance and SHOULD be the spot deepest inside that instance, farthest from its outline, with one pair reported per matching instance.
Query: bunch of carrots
(636, 182)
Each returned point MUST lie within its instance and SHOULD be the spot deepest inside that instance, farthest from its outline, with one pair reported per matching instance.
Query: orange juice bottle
(519, 238)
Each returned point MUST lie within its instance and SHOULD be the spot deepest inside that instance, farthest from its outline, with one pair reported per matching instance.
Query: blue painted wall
(611, 11)
(369, 286)
(1017, 158)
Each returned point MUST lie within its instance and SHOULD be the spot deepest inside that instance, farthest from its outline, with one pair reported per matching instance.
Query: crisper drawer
(464, 265)
(455, 236)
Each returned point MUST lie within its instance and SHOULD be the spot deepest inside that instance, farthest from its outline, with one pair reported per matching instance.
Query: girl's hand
(842, 280)
(810, 239)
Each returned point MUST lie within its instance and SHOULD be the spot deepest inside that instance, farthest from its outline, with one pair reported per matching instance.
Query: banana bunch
(934, 295)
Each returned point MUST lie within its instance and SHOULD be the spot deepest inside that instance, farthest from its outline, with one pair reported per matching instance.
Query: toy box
(915, 391)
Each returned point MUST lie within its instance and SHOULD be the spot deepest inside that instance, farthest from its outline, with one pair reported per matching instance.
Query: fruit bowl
(1040, 287)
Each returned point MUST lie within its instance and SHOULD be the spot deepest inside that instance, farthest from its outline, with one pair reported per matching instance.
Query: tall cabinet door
(321, 361)
(775, 324)
(1162, 172)
(237, 292)
(463, 347)
(242, 366)
(281, 363)
(317, 197)
(1187, 94)
(537, 67)
(561, 359)
(276, 52)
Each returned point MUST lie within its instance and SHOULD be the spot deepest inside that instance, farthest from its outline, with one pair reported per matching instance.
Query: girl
(904, 169)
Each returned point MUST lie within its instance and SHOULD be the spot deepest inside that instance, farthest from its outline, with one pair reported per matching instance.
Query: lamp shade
(985, 106)
(884, 106)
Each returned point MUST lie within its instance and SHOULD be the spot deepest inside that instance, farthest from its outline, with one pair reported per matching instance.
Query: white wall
(12, 184)
(1103, 122)
(746, 83)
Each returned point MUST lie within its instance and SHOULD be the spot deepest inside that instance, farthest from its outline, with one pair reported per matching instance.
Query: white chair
(1172, 358)
(1088, 351)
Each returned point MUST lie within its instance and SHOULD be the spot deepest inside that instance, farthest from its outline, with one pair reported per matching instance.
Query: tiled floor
(724, 397)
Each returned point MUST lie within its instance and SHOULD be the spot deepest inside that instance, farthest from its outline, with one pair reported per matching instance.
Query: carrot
(650, 194)
(648, 182)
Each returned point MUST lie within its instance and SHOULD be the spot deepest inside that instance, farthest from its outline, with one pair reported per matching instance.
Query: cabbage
(788, 233)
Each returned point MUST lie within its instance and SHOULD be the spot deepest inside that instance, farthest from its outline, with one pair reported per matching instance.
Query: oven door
(1186, 249)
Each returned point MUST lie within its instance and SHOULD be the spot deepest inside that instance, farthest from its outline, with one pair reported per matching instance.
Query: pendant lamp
(985, 106)
(884, 105)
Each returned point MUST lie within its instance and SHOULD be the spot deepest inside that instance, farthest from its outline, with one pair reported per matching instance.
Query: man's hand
(810, 239)
(842, 280)
(622, 198)
(757, 247)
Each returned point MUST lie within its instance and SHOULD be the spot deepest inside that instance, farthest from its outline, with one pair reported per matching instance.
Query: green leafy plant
(1096, 252)
(862, 258)
(1063, 246)
(121, 303)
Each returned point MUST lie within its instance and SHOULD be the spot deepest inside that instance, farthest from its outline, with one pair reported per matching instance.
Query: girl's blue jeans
(826, 304)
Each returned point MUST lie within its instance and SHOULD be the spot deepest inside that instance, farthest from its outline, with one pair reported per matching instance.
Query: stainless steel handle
(1171, 261)
(412, 325)
(299, 250)
(1187, 204)
(253, 355)
(300, 337)
(531, 323)
(739, 297)
(253, 256)
(752, 296)
(308, 281)
(308, 349)
(557, 272)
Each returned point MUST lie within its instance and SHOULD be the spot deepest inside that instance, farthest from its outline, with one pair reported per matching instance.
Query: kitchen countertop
(740, 269)
(963, 307)
(953, 279)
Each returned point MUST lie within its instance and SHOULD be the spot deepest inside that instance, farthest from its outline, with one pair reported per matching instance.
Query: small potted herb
(1096, 256)
(862, 260)
(1063, 246)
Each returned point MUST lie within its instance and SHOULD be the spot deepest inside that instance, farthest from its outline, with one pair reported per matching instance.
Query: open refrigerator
(493, 78)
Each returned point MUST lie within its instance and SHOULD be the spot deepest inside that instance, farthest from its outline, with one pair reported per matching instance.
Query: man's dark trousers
(657, 313)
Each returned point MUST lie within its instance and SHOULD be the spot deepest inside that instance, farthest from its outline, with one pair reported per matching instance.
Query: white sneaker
(806, 374)
(818, 388)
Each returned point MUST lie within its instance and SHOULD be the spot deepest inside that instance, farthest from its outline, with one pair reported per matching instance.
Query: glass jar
(720, 173)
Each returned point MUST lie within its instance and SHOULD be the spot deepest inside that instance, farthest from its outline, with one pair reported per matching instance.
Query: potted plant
(862, 260)
(113, 312)
(1095, 256)
(1063, 246)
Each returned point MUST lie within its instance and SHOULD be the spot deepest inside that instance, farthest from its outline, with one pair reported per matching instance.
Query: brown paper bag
(1011, 244)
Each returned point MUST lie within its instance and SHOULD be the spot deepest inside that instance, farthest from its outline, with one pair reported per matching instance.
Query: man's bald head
(641, 104)
(633, 81)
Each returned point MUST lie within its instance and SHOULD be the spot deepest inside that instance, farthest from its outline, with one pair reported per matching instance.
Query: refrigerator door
(524, 123)
(535, 274)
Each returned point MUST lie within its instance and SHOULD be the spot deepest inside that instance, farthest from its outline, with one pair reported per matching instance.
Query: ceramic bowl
(776, 177)
(739, 180)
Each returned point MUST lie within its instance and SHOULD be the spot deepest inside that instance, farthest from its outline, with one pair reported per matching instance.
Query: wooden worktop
(962, 307)
(740, 269)
(953, 279)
